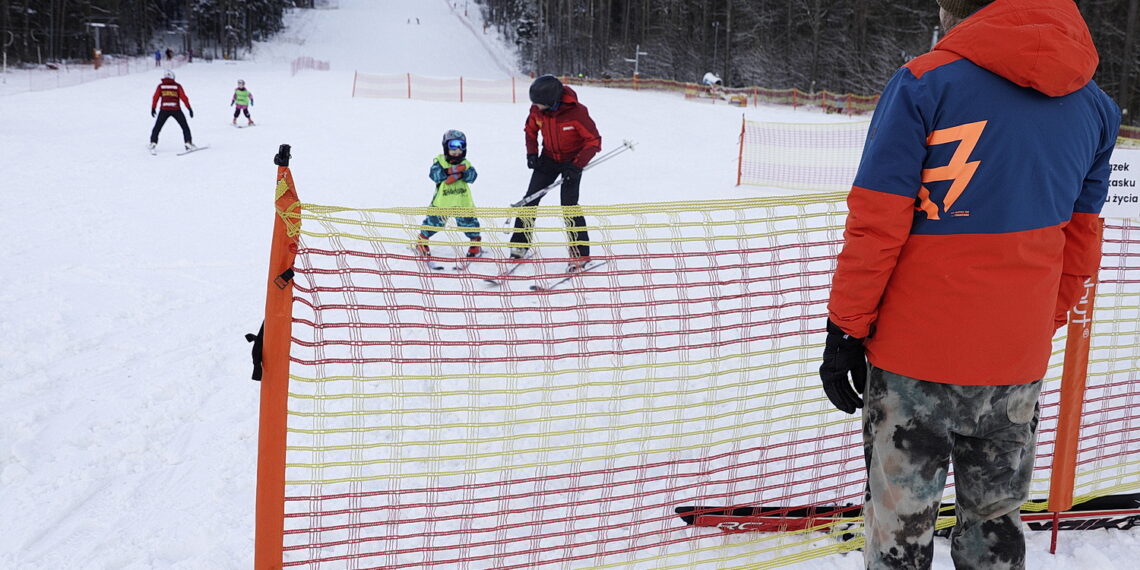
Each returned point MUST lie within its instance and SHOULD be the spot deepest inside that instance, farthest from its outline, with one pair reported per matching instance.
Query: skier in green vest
(452, 174)
(241, 102)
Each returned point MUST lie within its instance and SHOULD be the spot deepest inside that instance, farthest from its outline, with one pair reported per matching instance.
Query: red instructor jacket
(170, 92)
(568, 132)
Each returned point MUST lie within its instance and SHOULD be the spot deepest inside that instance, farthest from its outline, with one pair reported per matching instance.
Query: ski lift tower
(636, 61)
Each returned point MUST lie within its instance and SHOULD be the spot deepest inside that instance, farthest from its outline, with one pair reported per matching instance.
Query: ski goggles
(456, 144)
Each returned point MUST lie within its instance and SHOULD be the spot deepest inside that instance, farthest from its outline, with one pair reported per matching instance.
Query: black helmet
(546, 90)
(461, 144)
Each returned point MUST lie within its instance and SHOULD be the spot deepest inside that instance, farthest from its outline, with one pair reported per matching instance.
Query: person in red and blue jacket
(569, 140)
(972, 227)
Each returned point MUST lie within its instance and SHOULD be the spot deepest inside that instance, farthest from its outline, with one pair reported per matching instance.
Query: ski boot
(577, 264)
(422, 246)
(476, 249)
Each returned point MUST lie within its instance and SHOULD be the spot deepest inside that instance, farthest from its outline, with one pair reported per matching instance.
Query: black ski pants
(545, 173)
(178, 116)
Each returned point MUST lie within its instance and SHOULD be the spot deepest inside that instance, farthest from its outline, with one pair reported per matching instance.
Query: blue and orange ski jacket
(974, 214)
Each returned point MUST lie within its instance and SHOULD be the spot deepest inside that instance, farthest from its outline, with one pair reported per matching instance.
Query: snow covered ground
(128, 425)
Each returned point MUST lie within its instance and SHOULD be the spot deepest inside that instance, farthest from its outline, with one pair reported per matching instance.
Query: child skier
(241, 102)
(452, 173)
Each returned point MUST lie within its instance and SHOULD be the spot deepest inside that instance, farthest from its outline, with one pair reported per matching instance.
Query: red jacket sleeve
(591, 139)
(878, 224)
(531, 130)
(183, 97)
(1081, 262)
(157, 96)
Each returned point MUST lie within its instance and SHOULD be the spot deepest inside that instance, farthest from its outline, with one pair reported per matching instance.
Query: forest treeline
(44, 31)
(842, 46)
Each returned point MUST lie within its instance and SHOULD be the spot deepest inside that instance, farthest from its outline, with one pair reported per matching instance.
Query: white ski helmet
(168, 74)
(241, 83)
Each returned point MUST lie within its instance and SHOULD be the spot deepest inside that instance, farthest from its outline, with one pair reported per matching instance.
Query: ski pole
(625, 145)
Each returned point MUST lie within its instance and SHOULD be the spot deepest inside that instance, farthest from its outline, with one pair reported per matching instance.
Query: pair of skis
(154, 151)
(570, 274)
(1120, 512)
(460, 265)
(497, 280)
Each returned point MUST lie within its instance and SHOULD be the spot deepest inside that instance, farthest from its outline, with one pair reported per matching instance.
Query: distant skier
(172, 95)
(241, 102)
(569, 140)
(452, 174)
(158, 58)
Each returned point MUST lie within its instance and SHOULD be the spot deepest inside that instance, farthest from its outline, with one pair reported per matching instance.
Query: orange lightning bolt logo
(959, 171)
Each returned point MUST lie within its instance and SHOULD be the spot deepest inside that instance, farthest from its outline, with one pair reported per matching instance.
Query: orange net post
(1073, 379)
(270, 517)
(740, 151)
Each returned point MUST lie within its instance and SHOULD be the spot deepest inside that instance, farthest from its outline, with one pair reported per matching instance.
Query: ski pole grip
(283, 156)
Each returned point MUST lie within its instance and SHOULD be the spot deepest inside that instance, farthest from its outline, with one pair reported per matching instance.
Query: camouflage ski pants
(911, 431)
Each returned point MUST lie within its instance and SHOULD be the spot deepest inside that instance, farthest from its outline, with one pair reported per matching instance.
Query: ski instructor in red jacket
(171, 95)
(973, 226)
(569, 141)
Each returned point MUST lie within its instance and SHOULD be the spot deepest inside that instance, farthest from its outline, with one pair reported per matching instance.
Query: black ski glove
(191, 113)
(571, 172)
(531, 160)
(843, 354)
(153, 113)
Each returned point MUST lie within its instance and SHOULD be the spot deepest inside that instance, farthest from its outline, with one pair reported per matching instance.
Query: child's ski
(429, 261)
(590, 266)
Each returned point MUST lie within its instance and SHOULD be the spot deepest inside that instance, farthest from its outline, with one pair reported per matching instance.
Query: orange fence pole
(740, 152)
(1074, 376)
(269, 524)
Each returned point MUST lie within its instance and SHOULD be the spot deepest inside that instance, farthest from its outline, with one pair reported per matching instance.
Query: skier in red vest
(172, 95)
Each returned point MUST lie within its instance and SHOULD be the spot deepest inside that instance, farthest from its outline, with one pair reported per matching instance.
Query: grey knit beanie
(962, 8)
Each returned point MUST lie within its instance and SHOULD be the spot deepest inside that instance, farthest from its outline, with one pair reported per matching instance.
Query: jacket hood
(569, 97)
(1041, 44)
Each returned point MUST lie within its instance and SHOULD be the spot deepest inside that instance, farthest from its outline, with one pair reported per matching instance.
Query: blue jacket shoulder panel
(982, 155)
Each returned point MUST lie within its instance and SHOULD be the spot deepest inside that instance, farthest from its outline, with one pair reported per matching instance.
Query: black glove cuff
(833, 328)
